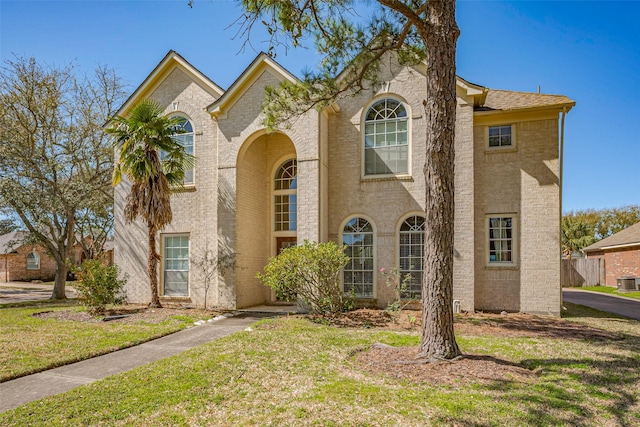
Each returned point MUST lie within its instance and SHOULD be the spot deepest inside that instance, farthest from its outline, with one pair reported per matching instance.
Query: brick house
(620, 252)
(21, 261)
(352, 173)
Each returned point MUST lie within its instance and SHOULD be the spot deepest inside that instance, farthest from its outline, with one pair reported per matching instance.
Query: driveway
(14, 292)
(626, 307)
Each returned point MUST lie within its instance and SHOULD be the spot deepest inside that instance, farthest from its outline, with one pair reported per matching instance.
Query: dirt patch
(133, 314)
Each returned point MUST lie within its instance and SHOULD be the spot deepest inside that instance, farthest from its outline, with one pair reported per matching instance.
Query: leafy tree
(55, 160)
(576, 235)
(155, 163)
(352, 50)
(7, 225)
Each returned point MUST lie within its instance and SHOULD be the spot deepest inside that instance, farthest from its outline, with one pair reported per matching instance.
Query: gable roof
(11, 241)
(630, 236)
(259, 65)
(171, 61)
(506, 100)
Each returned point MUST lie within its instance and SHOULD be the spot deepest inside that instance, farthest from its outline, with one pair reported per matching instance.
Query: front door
(285, 242)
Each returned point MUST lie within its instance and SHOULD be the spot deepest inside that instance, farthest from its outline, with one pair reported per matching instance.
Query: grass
(290, 372)
(29, 344)
(611, 290)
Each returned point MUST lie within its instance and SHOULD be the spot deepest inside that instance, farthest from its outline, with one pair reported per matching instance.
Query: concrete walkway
(627, 307)
(17, 392)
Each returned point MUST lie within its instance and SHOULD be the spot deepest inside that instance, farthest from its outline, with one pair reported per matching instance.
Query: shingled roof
(630, 236)
(11, 241)
(506, 100)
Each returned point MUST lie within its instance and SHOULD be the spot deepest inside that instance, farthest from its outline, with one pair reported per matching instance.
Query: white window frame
(166, 258)
(373, 256)
(188, 183)
(514, 240)
(399, 257)
(37, 261)
(287, 193)
(363, 132)
(511, 147)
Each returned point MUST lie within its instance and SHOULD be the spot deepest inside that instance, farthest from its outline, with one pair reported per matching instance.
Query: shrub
(311, 272)
(99, 285)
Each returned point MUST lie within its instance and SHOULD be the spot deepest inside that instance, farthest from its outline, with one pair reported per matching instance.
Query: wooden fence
(583, 272)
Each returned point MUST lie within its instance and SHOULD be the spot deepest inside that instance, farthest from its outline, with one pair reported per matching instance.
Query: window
(500, 136)
(386, 147)
(33, 261)
(285, 198)
(186, 140)
(411, 257)
(501, 240)
(176, 265)
(357, 236)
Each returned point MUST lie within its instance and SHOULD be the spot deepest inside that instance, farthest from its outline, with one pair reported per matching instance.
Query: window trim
(515, 241)
(278, 164)
(397, 240)
(183, 115)
(374, 291)
(37, 259)
(163, 238)
(363, 116)
(514, 139)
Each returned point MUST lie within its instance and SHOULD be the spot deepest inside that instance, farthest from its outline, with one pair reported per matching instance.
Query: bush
(99, 285)
(310, 272)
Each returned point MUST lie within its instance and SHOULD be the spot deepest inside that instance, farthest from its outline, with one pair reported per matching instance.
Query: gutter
(563, 114)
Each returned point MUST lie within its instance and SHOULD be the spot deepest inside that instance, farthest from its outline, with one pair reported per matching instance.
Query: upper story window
(501, 136)
(285, 198)
(386, 144)
(186, 140)
(33, 261)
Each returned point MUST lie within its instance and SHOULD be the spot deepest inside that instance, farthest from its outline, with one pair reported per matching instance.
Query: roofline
(219, 104)
(156, 72)
(564, 106)
(602, 248)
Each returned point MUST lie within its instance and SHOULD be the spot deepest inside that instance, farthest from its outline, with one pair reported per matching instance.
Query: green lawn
(291, 372)
(611, 290)
(29, 344)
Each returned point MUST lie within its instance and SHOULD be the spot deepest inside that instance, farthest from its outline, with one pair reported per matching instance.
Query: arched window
(357, 236)
(411, 237)
(186, 140)
(285, 199)
(386, 146)
(33, 261)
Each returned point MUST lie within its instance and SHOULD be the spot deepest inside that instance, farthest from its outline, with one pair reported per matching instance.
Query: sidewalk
(13, 292)
(26, 389)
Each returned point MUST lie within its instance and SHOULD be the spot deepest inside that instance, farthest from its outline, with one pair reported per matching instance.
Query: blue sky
(588, 51)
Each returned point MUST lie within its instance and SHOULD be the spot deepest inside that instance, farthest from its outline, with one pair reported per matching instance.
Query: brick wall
(13, 266)
(618, 263)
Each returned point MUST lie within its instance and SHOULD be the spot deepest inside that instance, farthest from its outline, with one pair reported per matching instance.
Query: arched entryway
(266, 210)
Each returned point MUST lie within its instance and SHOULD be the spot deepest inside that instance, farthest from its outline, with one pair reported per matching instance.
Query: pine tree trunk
(153, 267)
(438, 339)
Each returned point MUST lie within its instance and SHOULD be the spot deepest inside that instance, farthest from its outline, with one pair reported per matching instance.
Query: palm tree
(576, 235)
(155, 163)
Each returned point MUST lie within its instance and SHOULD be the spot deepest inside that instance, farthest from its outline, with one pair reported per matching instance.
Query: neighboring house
(621, 254)
(21, 261)
(353, 173)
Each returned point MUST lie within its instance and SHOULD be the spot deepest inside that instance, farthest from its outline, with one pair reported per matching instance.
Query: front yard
(519, 370)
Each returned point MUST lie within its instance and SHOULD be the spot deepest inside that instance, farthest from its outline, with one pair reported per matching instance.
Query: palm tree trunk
(153, 266)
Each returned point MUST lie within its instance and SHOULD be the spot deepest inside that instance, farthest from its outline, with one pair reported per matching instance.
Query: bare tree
(55, 160)
(208, 265)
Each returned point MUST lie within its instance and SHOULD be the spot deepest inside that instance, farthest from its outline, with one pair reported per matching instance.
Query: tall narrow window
(33, 261)
(386, 146)
(501, 238)
(411, 248)
(186, 140)
(176, 265)
(357, 236)
(285, 198)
